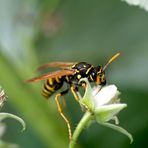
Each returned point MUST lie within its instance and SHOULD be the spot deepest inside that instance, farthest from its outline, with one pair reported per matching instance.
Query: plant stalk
(82, 124)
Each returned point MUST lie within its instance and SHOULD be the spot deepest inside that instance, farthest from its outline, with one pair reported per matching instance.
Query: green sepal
(87, 100)
(107, 112)
(119, 129)
(8, 115)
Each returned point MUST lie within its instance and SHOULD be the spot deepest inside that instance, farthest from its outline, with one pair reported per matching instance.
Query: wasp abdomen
(51, 86)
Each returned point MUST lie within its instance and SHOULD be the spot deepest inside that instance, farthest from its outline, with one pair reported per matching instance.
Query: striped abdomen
(51, 86)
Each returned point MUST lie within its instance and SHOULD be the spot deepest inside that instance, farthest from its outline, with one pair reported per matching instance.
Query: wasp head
(98, 76)
(98, 73)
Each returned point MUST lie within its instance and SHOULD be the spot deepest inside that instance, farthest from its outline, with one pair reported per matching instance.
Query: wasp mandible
(70, 73)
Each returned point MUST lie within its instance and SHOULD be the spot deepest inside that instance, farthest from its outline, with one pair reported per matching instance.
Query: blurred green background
(33, 32)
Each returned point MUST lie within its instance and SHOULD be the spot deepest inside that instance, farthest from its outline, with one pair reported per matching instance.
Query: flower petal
(105, 95)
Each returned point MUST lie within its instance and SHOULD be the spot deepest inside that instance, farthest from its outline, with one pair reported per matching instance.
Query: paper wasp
(70, 73)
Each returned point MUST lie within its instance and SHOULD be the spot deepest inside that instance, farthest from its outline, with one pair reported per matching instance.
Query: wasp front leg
(76, 94)
(74, 91)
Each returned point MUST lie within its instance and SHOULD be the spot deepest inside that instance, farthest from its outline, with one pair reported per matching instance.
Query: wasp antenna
(111, 60)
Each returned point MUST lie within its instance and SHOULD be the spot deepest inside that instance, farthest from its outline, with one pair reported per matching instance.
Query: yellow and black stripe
(50, 86)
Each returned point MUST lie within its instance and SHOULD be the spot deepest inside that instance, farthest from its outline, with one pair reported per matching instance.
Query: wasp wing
(59, 73)
(56, 64)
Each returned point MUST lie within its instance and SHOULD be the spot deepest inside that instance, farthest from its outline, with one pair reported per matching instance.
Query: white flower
(106, 95)
(104, 104)
(107, 103)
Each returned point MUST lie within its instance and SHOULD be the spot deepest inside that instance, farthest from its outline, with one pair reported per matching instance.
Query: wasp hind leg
(61, 112)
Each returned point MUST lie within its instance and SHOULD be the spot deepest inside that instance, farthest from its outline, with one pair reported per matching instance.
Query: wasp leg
(61, 113)
(74, 90)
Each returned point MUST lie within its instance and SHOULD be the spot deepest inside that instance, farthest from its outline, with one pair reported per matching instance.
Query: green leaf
(30, 98)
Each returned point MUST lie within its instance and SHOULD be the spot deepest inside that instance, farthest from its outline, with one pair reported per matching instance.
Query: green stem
(82, 124)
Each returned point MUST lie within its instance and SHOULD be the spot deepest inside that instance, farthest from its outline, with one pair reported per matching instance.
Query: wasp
(70, 73)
